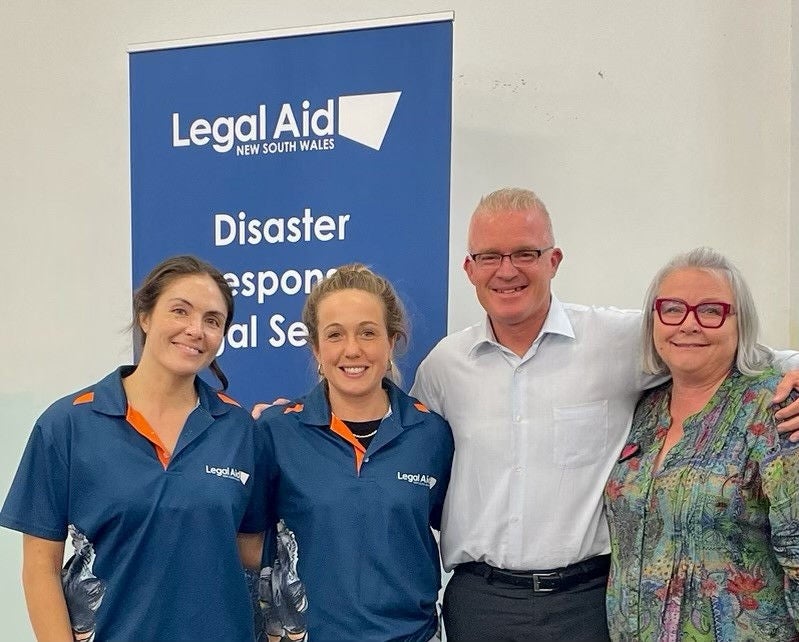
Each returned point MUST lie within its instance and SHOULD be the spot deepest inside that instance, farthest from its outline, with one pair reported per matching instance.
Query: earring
(391, 367)
(319, 370)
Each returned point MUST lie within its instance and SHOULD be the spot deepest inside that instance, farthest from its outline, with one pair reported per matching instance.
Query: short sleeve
(38, 501)
(257, 516)
(439, 491)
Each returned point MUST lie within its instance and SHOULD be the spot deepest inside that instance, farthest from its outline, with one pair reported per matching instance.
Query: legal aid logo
(290, 127)
(365, 118)
(419, 479)
(228, 473)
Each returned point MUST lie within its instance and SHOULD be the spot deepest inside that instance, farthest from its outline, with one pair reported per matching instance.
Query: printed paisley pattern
(708, 547)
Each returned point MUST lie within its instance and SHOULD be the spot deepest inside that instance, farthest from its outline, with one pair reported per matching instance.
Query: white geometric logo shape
(243, 477)
(365, 118)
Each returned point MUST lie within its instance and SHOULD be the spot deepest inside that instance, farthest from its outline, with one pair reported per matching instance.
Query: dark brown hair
(158, 280)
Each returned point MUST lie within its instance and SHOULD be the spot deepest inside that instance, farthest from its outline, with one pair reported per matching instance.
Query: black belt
(557, 579)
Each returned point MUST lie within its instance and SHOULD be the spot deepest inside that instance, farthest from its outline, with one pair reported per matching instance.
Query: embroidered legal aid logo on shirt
(417, 478)
(228, 473)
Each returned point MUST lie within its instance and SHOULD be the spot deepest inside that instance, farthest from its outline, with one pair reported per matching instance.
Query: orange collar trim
(141, 426)
(343, 431)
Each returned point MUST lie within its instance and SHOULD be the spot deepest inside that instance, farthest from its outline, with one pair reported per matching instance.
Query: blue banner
(278, 159)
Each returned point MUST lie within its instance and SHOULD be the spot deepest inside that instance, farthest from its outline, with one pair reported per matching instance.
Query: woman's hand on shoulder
(258, 408)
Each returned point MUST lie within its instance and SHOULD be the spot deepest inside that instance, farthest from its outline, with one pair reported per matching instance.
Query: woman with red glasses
(702, 504)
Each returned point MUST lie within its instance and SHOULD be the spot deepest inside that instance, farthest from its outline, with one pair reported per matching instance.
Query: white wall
(646, 127)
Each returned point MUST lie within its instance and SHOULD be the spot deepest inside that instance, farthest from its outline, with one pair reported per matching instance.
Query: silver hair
(514, 199)
(751, 357)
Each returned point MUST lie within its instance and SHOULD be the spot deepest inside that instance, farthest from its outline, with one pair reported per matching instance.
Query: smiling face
(353, 348)
(689, 350)
(516, 299)
(185, 327)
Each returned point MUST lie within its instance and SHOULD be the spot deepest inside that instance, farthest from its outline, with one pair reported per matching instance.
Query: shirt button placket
(518, 445)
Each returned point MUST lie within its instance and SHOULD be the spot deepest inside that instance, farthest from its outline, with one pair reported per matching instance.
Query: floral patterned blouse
(706, 548)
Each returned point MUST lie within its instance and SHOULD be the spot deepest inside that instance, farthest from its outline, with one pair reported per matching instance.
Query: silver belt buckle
(537, 586)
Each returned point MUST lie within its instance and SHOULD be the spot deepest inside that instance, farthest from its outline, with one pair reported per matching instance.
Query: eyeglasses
(711, 314)
(519, 258)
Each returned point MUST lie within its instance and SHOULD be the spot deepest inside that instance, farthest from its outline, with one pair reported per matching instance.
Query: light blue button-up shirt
(535, 436)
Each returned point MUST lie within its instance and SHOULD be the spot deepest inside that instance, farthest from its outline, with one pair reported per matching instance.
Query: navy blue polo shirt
(163, 530)
(362, 518)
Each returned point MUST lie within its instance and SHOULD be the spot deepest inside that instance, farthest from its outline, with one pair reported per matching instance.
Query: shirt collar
(316, 410)
(557, 322)
(110, 398)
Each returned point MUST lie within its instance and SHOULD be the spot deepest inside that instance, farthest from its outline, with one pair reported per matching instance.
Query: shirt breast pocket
(581, 434)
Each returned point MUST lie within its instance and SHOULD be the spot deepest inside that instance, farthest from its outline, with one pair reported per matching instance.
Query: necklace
(357, 428)
(369, 434)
